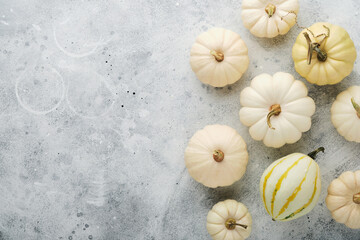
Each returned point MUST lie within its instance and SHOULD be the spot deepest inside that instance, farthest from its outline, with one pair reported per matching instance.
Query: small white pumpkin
(229, 220)
(276, 108)
(290, 187)
(269, 18)
(343, 199)
(219, 57)
(324, 54)
(345, 114)
(216, 156)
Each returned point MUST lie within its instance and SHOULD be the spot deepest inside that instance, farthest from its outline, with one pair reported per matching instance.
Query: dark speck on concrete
(79, 214)
(90, 237)
(87, 225)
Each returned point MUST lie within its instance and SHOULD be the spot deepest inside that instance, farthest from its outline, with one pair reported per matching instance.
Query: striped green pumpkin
(290, 187)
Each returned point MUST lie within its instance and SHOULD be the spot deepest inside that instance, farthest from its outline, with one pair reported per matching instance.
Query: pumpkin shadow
(279, 41)
(232, 89)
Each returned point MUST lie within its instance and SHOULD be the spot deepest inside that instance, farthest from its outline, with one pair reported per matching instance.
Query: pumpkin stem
(218, 55)
(356, 198)
(356, 106)
(275, 110)
(270, 9)
(315, 46)
(218, 155)
(314, 153)
(231, 224)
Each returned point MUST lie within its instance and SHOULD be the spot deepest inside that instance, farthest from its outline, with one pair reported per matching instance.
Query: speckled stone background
(98, 101)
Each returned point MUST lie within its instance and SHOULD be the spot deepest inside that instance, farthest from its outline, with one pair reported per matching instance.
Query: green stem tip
(314, 153)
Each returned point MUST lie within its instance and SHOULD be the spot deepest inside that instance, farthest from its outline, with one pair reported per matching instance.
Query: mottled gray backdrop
(98, 101)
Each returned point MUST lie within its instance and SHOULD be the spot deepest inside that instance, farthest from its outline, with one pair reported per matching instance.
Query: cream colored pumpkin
(343, 199)
(332, 57)
(229, 220)
(290, 187)
(216, 156)
(219, 57)
(269, 18)
(276, 108)
(345, 114)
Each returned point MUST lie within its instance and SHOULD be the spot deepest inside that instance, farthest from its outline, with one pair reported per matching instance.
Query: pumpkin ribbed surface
(290, 187)
(221, 213)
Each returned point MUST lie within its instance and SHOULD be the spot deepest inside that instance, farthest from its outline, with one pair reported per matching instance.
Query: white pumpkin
(229, 220)
(219, 57)
(290, 187)
(269, 18)
(343, 199)
(276, 108)
(216, 156)
(345, 114)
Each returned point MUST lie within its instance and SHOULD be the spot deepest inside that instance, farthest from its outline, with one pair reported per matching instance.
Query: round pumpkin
(343, 199)
(216, 156)
(290, 187)
(229, 220)
(219, 57)
(269, 18)
(324, 54)
(276, 108)
(345, 114)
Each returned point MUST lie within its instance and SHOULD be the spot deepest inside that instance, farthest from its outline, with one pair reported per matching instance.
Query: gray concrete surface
(98, 101)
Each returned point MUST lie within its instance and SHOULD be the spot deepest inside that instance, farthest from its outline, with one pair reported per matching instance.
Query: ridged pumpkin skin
(222, 211)
(341, 55)
(341, 200)
(235, 57)
(261, 23)
(280, 89)
(200, 162)
(290, 187)
(344, 116)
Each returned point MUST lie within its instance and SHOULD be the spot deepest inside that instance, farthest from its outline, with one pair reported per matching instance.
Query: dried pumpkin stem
(314, 46)
(314, 153)
(217, 55)
(275, 110)
(356, 198)
(218, 155)
(270, 9)
(356, 106)
(231, 224)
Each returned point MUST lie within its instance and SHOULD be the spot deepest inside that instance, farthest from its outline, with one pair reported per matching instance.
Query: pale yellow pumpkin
(229, 220)
(331, 57)
(216, 156)
(219, 57)
(343, 199)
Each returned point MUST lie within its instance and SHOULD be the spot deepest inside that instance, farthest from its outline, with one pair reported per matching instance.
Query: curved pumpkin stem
(314, 153)
(356, 106)
(231, 224)
(275, 110)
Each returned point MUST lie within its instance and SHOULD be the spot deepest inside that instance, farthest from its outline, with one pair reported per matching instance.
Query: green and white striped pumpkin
(290, 187)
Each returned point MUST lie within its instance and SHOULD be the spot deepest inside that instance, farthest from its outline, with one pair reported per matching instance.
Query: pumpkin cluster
(277, 110)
